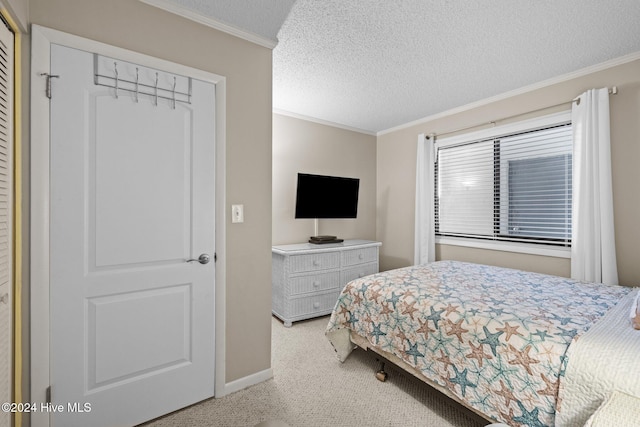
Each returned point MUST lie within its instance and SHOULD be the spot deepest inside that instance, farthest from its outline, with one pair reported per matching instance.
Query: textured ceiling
(376, 64)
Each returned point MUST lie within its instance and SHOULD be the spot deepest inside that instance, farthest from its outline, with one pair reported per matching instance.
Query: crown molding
(171, 7)
(322, 122)
(530, 88)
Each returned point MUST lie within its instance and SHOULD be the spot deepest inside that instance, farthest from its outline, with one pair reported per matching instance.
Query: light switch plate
(237, 213)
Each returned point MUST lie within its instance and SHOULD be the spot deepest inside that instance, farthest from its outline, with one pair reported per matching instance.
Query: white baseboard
(248, 381)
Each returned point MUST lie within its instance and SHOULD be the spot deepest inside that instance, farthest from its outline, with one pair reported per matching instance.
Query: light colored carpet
(311, 388)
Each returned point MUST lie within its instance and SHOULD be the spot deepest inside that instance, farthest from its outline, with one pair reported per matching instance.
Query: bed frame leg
(381, 375)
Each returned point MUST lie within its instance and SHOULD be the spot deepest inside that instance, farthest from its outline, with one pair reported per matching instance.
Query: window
(512, 184)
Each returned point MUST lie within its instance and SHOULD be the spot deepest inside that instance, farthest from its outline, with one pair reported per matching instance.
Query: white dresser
(307, 278)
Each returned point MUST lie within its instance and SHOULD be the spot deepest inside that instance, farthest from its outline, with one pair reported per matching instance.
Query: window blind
(514, 187)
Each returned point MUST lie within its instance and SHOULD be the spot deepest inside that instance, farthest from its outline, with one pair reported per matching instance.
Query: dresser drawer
(314, 283)
(314, 262)
(359, 256)
(353, 273)
(313, 304)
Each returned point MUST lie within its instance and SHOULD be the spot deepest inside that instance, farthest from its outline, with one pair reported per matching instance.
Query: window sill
(525, 248)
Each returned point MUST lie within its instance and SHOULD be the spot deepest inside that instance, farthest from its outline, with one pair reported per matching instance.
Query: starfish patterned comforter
(496, 338)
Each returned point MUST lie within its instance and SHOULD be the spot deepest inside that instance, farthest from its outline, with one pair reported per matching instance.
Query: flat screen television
(320, 196)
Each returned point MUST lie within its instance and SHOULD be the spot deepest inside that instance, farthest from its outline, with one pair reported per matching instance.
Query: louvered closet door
(6, 218)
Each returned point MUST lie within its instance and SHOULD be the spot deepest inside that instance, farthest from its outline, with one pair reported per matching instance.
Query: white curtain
(593, 254)
(425, 247)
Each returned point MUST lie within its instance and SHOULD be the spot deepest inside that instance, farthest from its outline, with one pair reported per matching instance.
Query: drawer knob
(316, 262)
(316, 305)
(360, 256)
(316, 283)
(4, 299)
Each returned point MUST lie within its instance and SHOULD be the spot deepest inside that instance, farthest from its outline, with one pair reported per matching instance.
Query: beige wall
(396, 173)
(309, 147)
(247, 67)
(18, 10)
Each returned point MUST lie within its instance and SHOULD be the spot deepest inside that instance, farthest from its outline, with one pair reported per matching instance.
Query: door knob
(202, 259)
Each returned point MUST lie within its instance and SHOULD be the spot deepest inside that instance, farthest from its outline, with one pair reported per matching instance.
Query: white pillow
(618, 410)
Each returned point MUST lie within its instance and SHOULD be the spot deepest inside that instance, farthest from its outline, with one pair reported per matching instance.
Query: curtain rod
(612, 91)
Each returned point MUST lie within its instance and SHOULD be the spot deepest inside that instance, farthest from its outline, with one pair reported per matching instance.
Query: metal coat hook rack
(115, 68)
(137, 82)
(137, 87)
(174, 93)
(155, 91)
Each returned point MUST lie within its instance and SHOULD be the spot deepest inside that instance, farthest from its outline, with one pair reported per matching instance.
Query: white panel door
(132, 199)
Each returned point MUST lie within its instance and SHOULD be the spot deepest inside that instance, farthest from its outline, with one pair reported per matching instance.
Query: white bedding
(605, 359)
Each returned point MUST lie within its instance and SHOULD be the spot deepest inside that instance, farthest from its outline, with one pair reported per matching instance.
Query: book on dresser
(307, 278)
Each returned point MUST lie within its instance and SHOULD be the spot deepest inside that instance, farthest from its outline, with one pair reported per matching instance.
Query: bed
(494, 339)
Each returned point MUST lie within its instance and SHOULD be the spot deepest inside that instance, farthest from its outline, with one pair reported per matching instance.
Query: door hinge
(48, 394)
(47, 90)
